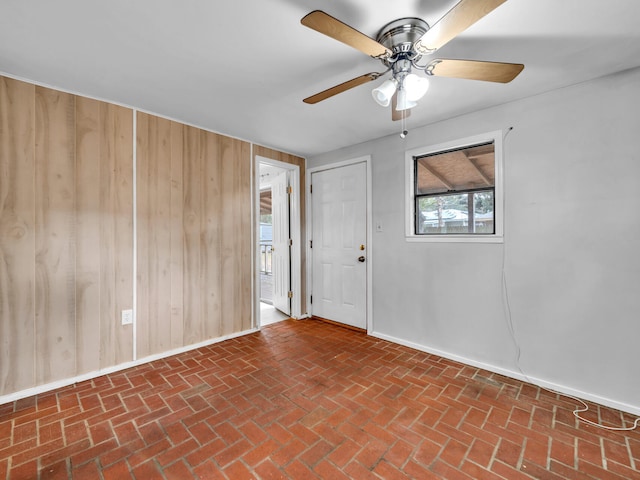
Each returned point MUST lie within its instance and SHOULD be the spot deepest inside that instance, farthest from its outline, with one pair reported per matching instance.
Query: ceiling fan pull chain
(404, 132)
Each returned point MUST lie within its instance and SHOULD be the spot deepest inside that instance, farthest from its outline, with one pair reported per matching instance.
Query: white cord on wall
(509, 319)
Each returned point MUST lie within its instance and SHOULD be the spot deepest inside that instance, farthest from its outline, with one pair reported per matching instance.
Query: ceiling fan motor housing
(400, 35)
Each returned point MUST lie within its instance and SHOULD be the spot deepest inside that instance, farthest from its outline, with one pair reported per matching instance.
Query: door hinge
(291, 242)
(290, 294)
(289, 189)
(310, 243)
(311, 300)
(310, 188)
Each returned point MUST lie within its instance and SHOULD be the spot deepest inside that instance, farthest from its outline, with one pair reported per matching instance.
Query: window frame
(410, 197)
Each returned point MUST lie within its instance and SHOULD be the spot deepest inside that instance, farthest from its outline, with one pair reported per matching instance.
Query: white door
(280, 252)
(339, 232)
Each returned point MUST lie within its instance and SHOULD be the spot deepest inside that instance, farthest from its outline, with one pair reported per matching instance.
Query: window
(455, 191)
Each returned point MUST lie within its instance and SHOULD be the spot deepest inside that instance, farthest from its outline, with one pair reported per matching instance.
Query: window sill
(455, 238)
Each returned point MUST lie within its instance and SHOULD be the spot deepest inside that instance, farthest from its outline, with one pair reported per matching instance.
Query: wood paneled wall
(66, 243)
(194, 235)
(104, 232)
(66, 235)
(265, 152)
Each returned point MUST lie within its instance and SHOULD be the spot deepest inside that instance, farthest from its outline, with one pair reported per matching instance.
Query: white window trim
(410, 156)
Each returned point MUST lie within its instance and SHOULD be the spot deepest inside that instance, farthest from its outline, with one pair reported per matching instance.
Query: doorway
(340, 247)
(278, 245)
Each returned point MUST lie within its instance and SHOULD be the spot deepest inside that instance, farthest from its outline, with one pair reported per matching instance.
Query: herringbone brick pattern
(303, 399)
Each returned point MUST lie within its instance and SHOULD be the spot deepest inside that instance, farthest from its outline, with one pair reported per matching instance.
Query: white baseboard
(563, 389)
(12, 397)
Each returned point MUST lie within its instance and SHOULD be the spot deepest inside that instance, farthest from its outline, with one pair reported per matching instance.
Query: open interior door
(281, 249)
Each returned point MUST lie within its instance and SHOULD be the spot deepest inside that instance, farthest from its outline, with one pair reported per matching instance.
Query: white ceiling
(242, 67)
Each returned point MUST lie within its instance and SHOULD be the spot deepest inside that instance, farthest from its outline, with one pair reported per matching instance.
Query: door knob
(361, 259)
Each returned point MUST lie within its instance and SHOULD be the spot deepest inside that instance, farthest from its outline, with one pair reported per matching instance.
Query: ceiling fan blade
(397, 114)
(474, 70)
(330, 92)
(334, 28)
(456, 20)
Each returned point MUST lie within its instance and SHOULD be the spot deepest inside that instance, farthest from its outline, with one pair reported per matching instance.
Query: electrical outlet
(127, 317)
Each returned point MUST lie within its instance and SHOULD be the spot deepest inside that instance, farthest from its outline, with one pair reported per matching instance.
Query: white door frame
(296, 248)
(309, 221)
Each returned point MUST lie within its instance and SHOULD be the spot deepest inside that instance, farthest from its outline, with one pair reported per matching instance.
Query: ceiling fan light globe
(383, 94)
(415, 86)
(403, 102)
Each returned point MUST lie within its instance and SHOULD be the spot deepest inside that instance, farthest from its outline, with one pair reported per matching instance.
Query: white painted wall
(571, 252)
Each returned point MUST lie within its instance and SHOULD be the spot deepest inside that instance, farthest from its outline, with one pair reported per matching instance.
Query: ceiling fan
(401, 46)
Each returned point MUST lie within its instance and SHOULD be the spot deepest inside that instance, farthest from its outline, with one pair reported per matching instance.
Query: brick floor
(304, 399)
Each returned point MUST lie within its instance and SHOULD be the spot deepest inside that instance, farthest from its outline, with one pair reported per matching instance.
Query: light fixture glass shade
(403, 102)
(382, 95)
(415, 87)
